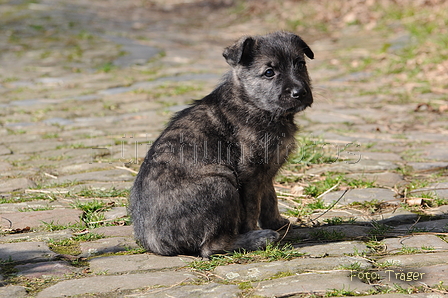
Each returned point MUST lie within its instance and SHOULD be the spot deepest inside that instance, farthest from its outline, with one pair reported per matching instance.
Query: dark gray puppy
(205, 185)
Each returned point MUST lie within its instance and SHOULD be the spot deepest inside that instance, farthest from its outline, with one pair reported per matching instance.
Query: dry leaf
(83, 232)
(443, 108)
(297, 190)
(414, 201)
(19, 230)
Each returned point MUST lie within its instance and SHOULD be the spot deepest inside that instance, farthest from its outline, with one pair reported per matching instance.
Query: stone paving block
(347, 231)
(107, 175)
(396, 217)
(438, 211)
(128, 263)
(72, 155)
(380, 156)
(435, 274)
(331, 117)
(429, 137)
(440, 189)
(9, 185)
(416, 260)
(380, 179)
(102, 185)
(45, 269)
(264, 270)
(115, 213)
(115, 231)
(438, 225)
(19, 139)
(316, 283)
(107, 284)
(436, 153)
(4, 150)
(194, 291)
(32, 219)
(4, 167)
(33, 147)
(408, 277)
(394, 245)
(26, 252)
(363, 166)
(37, 236)
(393, 217)
(424, 166)
(361, 195)
(345, 214)
(107, 245)
(136, 53)
(82, 167)
(415, 295)
(13, 292)
(15, 207)
(333, 248)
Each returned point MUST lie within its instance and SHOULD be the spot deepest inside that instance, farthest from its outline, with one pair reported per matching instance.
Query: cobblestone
(118, 264)
(39, 218)
(99, 284)
(45, 269)
(107, 245)
(260, 271)
(308, 283)
(26, 252)
(204, 291)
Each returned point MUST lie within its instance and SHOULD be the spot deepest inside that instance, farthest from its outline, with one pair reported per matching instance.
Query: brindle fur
(206, 184)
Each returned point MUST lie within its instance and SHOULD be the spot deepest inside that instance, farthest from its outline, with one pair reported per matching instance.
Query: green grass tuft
(271, 253)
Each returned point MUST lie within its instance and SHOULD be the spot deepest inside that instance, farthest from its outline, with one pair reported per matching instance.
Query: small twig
(284, 205)
(329, 208)
(400, 231)
(127, 169)
(51, 176)
(290, 200)
(281, 185)
(429, 189)
(413, 225)
(161, 289)
(46, 191)
(328, 190)
(10, 222)
(106, 220)
(290, 194)
(432, 289)
(287, 230)
(83, 232)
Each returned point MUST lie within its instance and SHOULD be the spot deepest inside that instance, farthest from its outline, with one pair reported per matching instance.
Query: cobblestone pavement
(87, 85)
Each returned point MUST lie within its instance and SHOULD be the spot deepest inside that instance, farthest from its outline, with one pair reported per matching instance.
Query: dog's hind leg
(252, 240)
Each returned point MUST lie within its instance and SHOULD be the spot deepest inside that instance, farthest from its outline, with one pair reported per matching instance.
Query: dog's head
(272, 71)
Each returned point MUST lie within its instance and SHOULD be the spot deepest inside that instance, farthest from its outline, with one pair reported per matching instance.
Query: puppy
(206, 184)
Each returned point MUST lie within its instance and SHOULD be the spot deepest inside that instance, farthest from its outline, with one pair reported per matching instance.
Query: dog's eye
(269, 73)
(300, 65)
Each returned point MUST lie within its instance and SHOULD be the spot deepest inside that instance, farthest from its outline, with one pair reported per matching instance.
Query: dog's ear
(304, 47)
(307, 50)
(240, 52)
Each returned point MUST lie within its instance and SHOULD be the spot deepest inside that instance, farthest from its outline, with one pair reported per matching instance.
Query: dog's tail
(252, 240)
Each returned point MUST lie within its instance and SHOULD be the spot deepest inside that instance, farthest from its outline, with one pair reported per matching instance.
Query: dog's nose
(298, 92)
